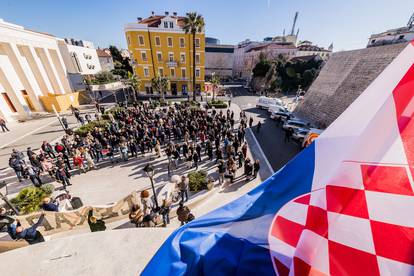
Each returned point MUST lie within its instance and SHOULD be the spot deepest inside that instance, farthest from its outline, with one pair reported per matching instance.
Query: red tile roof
(102, 53)
(155, 20)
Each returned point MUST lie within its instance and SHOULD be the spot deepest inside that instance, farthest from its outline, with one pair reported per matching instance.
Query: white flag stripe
(295, 212)
(313, 251)
(351, 231)
(392, 268)
(391, 208)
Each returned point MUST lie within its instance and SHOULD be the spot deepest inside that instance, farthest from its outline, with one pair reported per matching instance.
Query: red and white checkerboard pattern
(340, 230)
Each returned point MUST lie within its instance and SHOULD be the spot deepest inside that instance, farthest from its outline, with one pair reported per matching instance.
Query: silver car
(295, 124)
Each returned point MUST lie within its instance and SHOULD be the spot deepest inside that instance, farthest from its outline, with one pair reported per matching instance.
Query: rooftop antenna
(283, 32)
(411, 21)
(297, 33)
(294, 23)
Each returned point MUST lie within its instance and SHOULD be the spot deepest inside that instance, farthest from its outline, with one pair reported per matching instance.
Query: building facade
(105, 60)
(219, 58)
(307, 48)
(32, 72)
(159, 46)
(270, 51)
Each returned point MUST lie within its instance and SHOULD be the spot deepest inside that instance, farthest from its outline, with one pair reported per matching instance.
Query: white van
(276, 108)
(264, 102)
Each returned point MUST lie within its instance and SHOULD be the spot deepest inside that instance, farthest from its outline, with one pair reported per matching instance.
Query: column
(58, 63)
(12, 93)
(42, 54)
(16, 60)
(34, 66)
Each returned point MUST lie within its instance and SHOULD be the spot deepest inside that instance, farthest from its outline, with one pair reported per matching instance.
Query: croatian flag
(343, 206)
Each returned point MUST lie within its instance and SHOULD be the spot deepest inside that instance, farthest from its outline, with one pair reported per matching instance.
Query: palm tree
(215, 81)
(134, 82)
(160, 84)
(194, 23)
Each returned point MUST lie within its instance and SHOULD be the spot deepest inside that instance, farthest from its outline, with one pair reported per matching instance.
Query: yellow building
(159, 46)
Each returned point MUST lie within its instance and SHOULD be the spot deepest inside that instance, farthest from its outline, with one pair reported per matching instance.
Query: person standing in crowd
(5, 220)
(221, 171)
(259, 126)
(250, 122)
(256, 168)
(95, 224)
(183, 213)
(165, 212)
(17, 165)
(47, 148)
(65, 122)
(3, 124)
(183, 186)
(34, 174)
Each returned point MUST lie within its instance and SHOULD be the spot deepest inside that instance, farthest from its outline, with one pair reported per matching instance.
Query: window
(141, 40)
(182, 57)
(197, 58)
(170, 57)
(165, 24)
(171, 25)
(197, 72)
(146, 72)
(169, 41)
(183, 73)
(401, 37)
(161, 71)
(144, 55)
(159, 56)
(157, 41)
(172, 72)
(197, 42)
(182, 42)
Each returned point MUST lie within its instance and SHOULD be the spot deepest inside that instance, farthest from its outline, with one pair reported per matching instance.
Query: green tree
(135, 83)
(193, 24)
(215, 81)
(160, 84)
(116, 54)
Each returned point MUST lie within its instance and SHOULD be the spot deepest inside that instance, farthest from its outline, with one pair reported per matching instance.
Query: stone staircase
(343, 78)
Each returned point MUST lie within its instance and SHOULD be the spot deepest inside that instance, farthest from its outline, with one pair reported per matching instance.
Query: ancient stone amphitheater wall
(343, 78)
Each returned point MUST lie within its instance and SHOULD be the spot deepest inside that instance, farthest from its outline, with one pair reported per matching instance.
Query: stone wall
(343, 78)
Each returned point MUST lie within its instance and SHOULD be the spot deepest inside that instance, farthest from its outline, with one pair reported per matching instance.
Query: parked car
(277, 108)
(264, 102)
(295, 124)
(282, 115)
(299, 134)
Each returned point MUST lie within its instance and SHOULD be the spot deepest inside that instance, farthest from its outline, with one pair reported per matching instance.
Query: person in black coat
(256, 168)
(31, 235)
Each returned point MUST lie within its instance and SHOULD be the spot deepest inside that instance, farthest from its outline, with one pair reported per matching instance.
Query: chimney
(175, 13)
(153, 13)
(139, 19)
(167, 13)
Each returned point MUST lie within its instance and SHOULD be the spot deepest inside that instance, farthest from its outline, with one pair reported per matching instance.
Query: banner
(57, 222)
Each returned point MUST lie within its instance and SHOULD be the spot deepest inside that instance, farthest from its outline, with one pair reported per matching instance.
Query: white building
(250, 56)
(31, 69)
(82, 57)
(219, 59)
(105, 59)
(393, 36)
(307, 48)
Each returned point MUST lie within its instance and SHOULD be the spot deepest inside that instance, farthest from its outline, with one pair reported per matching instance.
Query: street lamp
(149, 170)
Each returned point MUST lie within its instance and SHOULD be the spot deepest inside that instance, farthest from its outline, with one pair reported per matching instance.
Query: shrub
(29, 199)
(217, 104)
(48, 188)
(197, 180)
(89, 127)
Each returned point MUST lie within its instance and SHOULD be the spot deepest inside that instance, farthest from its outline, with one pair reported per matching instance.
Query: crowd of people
(187, 136)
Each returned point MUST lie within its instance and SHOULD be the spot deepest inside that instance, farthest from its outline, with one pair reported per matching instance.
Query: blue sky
(347, 24)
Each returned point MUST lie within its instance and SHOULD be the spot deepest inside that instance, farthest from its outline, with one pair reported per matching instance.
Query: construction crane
(411, 21)
(294, 23)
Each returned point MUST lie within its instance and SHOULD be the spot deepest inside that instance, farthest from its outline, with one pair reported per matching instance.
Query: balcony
(171, 63)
